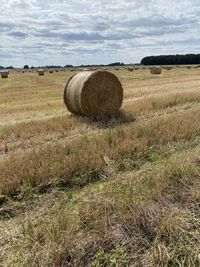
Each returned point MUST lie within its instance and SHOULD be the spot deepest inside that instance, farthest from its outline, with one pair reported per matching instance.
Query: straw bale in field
(93, 93)
(156, 70)
(4, 73)
(41, 72)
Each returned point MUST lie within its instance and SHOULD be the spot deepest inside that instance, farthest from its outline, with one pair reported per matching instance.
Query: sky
(61, 32)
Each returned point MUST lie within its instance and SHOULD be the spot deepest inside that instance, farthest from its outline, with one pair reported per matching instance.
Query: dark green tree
(172, 59)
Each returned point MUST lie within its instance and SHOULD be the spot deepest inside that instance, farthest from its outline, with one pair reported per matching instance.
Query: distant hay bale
(156, 70)
(189, 67)
(116, 68)
(56, 70)
(167, 68)
(130, 68)
(4, 74)
(51, 71)
(41, 72)
(93, 94)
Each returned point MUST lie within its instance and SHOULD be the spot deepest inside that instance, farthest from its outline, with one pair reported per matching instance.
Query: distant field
(86, 193)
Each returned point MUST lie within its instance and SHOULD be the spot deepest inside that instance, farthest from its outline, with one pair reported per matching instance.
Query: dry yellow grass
(87, 193)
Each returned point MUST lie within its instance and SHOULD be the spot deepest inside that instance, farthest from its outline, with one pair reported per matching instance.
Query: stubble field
(121, 192)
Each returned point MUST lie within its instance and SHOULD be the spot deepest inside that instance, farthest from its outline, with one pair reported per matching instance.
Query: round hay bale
(41, 72)
(156, 70)
(4, 74)
(94, 94)
(130, 69)
(51, 71)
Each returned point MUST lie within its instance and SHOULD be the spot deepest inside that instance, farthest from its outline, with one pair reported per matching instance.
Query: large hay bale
(41, 72)
(51, 71)
(4, 74)
(130, 68)
(156, 70)
(93, 94)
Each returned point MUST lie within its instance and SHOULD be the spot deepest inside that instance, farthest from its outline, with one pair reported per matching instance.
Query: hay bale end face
(4, 74)
(93, 94)
(41, 72)
(156, 70)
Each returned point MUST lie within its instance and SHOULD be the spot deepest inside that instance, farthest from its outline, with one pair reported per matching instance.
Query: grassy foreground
(123, 192)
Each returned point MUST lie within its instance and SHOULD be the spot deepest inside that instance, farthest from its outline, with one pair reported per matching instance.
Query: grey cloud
(22, 4)
(101, 26)
(5, 26)
(159, 21)
(71, 36)
(20, 35)
(94, 36)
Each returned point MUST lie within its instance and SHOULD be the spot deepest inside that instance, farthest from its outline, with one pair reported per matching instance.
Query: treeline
(9, 67)
(172, 59)
(102, 65)
(66, 66)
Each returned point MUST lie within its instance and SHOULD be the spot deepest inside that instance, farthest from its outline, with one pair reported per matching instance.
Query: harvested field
(80, 192)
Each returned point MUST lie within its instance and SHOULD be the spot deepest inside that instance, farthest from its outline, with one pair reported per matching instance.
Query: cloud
(20, 35)
(87, 31)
